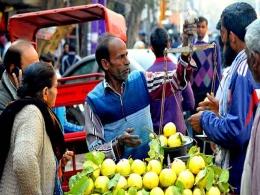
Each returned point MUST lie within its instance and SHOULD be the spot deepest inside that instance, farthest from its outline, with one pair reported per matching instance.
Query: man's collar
(205, 39)
(11, 87)
(108, 86)
(8, 80)
(241, 53)
(162, 59)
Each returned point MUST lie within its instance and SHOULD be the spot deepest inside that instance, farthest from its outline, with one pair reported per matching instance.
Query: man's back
(173, 107)
(174, 102)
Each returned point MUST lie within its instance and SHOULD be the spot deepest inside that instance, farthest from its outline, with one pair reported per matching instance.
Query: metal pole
(97, 28)
(77, 39)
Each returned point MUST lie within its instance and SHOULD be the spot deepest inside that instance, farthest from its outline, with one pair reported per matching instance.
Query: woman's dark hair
(35, 78)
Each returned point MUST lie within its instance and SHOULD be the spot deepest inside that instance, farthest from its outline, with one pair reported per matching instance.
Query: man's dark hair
(102, 51)
(14, 54)
(48, 57)
(72, 48)
(202, 19)
(159, 39)
(142, 33)
(64, 45)
(237, 16)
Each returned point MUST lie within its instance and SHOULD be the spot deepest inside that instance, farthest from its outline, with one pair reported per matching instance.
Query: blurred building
(204, 8)
(9, 7)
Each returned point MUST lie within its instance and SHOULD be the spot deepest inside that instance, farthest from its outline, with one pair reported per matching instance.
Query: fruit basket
(187, 143)
(169, 144)
(183, 158)
(203, 137)
(172, 152)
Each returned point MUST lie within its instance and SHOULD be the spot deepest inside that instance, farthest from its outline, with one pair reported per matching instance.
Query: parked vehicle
(140, 59)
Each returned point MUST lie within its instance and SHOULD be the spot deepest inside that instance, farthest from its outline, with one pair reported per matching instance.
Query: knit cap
(237, 16)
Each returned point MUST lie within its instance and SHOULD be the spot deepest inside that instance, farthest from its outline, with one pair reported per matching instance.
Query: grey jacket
(7, 92)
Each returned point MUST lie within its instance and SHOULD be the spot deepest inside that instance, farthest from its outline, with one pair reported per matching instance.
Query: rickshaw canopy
(26, 25)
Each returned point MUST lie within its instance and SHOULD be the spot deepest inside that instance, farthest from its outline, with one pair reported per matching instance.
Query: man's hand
(189, 31)
(129, 139)
(194, 121)
(18, 80)
(67, 156)
(210, 103)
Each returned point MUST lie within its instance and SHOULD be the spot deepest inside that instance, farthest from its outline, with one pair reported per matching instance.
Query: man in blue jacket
(118, 118)
(230, 120)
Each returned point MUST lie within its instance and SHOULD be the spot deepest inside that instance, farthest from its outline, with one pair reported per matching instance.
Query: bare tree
(131, 10)
(133, 20)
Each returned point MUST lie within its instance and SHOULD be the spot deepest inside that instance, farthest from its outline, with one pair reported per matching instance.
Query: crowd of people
(122, 109)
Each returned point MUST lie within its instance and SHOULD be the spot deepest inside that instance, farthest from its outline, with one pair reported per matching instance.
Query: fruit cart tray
(183, 158)
(188, 141)
(203, 137)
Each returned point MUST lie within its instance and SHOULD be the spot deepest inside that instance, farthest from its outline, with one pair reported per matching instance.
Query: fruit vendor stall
(194, 174)
(173, 166)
